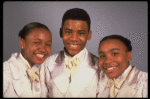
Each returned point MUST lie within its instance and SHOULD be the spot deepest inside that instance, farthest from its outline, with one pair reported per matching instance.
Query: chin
(112, 76)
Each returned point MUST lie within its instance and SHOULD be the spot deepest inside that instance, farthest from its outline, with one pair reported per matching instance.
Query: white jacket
(84, 83)
(135, 85)
(15, 79)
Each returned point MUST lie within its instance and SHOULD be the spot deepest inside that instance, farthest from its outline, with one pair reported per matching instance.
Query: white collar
(128, 69)
(36, 66)
(80, 54)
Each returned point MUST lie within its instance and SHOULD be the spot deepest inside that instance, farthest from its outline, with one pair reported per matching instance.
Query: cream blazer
(135, 85)
(84, 84)
(15, 79)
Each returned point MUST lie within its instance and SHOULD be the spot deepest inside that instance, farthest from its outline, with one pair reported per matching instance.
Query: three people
(118, 77)
(21, 73)
(73, 72)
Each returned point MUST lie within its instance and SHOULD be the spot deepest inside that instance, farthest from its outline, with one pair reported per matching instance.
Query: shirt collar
(127, 70)
(80, 54)
(36, 66)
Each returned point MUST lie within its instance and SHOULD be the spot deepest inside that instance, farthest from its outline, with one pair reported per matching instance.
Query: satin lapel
(19, 77)
(86, 74)
(58, 74)
(129, 88)
(102, 90)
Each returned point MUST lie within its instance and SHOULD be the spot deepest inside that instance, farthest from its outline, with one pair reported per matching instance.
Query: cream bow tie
(72, 62)
(115, 85)
(33, 75)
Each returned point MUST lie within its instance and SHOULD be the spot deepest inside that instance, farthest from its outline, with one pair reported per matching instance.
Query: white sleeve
(7, 78)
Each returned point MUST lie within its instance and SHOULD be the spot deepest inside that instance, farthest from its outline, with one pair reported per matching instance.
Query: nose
(74, 36)
(42, 48)
(107, 60)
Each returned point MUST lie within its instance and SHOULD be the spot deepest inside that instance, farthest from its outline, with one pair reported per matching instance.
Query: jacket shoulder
(51, 59)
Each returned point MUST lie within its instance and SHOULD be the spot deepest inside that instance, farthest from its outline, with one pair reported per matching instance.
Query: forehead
(75, 23)
(39, 32)
(111, 44)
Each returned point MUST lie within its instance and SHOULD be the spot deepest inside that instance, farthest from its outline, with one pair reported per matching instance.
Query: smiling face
(75, 35)
(36, 46)
(113, 57)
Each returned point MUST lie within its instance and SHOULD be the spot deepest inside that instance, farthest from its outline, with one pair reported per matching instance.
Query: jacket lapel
(86, 75)
(58, 73)
(18, 76)
(80, 81)
(102, 90)
(129, 88)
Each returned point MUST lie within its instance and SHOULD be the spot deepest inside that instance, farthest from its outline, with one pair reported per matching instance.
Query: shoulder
(143, 76)
(93, 60)
(51, 59)
(139, 76)
(10, 61)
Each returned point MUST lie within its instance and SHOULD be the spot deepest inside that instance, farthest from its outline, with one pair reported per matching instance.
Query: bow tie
(33, 75)
(72, 62)
(115, 85)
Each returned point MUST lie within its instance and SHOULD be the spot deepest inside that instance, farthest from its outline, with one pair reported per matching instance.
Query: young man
(118, 78)
(73, 72)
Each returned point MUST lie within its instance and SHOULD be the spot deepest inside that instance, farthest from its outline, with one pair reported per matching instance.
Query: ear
(22, 43)
(129, 56)
(89, 35)
(60, 32)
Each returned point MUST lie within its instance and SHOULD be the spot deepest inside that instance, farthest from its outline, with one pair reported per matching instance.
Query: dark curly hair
(126, 41)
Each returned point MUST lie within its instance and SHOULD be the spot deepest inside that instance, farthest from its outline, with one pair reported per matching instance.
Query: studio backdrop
(126, 18)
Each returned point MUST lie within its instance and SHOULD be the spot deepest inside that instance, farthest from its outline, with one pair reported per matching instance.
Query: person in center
(118, 77)
(73, 72)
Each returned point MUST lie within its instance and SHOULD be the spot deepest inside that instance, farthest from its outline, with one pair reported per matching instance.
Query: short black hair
(126, 41)
(28, 28)
(77, 14)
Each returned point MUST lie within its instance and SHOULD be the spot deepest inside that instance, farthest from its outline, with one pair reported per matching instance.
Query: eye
(101, 56)
(37, 43)
(68, 32)
(48, 44)
(114, 54)
(80, 33)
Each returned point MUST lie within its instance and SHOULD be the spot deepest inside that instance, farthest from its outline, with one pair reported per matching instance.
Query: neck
(68, 52)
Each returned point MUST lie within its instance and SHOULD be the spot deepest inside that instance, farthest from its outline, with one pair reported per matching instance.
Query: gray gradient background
(129, 19)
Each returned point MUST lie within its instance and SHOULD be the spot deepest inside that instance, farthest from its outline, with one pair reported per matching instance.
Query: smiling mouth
(39, 55)
(73, 46)
(110, 69)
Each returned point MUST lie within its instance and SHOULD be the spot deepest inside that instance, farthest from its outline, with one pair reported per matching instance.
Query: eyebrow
(68, 29)
(40, 39)
(115, 49)
(77, 30)
(110, 50)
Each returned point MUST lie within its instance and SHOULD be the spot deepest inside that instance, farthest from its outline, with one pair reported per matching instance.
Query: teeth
(39, 55)
(74, 45)
(111, 68)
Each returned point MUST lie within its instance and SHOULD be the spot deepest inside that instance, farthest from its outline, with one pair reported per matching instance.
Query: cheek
(48, 50)
(65, 38)
(101, 63)
(83, 39)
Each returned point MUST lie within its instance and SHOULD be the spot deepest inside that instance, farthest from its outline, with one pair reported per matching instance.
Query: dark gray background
(129, 19)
